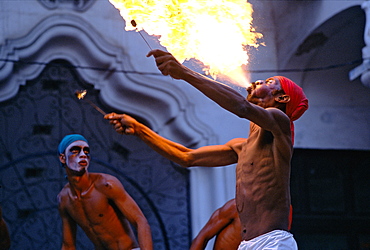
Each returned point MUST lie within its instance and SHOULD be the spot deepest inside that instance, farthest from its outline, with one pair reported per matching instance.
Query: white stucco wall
(284, 24)
(338, 117)
(210, 188)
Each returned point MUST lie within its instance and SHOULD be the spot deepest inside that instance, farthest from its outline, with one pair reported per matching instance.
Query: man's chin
(77, 172)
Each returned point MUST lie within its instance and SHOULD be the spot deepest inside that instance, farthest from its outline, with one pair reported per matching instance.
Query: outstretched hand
(167, 63)
(123, 124)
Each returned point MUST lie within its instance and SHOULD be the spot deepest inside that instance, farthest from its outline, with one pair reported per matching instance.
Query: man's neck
(79, 183)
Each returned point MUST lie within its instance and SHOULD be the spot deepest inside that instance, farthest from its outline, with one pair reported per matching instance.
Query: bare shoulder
(63, 196)
(105, 181)
(236, 141)
(230, 207)
(236, 144)
(65, 191)
(281, 120)
(278, 114)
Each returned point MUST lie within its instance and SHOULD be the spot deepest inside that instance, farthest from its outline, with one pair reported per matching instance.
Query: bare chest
(256, 155)
(92, 207)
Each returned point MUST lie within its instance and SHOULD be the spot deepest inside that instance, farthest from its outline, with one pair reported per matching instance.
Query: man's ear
(282, 98)
(62, 158)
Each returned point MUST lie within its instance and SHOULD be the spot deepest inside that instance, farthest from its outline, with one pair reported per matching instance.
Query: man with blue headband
(98, 203)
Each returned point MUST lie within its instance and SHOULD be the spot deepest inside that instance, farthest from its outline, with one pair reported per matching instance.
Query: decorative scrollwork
(77, 5)
(31, 125)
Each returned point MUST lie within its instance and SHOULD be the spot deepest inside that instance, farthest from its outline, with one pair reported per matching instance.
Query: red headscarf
(298, 103)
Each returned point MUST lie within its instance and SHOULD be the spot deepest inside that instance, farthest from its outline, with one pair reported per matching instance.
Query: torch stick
(80, 94)
(133, 23)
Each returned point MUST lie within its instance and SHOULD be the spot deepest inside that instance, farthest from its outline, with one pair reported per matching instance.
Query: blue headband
(67, 140)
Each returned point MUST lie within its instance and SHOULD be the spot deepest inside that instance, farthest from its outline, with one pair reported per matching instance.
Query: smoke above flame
(217, 32)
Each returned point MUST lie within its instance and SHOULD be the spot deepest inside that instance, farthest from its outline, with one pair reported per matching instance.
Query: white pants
(277, 239)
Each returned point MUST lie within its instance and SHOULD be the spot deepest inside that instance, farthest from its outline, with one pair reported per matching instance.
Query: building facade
(50, 48)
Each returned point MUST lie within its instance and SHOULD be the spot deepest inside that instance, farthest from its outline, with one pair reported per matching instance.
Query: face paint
(77, 157)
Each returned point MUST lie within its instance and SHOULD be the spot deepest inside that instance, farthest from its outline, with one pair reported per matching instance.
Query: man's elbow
(186, 162)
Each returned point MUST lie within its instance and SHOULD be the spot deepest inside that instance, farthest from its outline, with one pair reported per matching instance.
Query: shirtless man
(98, 203)
(224, 223)
(263, 159)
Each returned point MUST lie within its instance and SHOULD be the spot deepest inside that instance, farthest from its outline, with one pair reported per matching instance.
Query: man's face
(77, 157)
(262, 92)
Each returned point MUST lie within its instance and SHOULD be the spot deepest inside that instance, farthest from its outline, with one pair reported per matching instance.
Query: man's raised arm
(222, 94)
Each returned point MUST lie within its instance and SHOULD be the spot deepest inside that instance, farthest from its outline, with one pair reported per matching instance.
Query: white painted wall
(284, 24)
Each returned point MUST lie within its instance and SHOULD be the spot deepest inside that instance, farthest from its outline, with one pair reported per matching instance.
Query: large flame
(214, 32)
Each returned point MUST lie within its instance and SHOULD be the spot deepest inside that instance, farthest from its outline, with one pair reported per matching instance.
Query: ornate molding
(165, 106)
(77, 5)
(363, 70)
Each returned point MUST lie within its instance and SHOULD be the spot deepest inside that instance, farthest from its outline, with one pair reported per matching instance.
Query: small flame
(81, 94)
(214, 32)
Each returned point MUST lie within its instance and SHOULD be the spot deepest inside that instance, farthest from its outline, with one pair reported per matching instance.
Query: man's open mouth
(83, 163)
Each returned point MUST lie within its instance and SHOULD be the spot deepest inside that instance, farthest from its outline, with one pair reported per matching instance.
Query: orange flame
(214, 32)
(80, 94)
